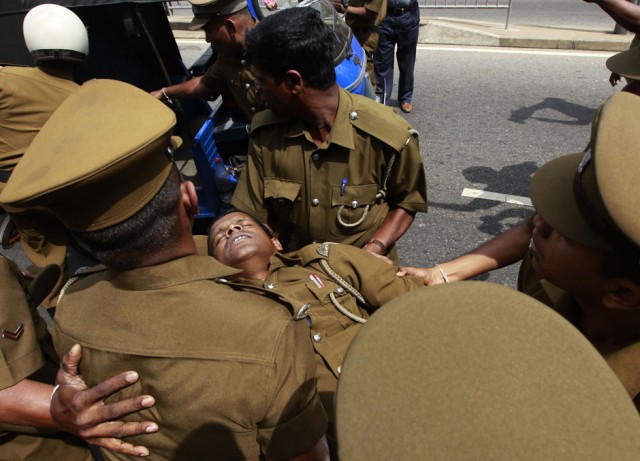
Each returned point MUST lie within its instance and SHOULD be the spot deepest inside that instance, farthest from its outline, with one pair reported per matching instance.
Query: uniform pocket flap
(354, 196)
(281, 189)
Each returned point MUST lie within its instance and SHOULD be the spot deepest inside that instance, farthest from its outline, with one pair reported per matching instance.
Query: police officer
(27, 371)
(473, 370)
(364, 17)
(58, 41)
(234, 372)
(584, 241)
(225, 24)
(324, 165)
(329, 285)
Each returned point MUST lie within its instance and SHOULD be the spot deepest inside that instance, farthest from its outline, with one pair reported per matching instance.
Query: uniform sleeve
(375, 279)
(407, 183)
(21, 354)
(295, 420)
(249, 193)
(213, 80)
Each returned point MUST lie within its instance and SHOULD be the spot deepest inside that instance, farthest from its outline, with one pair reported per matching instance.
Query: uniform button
(340, 290)
(354, 204)
(247, 85)
(299, 199)
(353, 115)
(317, 337)
(315, 202)
(253, 109)
(243, 62)
(315, 157)
(339, 369)
(271, 286)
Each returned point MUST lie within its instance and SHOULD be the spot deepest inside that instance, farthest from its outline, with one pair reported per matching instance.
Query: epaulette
(267, 117)
(80, 274)
(382, 122)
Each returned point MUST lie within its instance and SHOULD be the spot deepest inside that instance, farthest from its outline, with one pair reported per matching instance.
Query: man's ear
(293, 81)
(230, 26)
(277, 244)
(189, 199)
(621, 294)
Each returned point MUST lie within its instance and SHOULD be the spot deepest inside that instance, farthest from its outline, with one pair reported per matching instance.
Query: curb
(444, 31)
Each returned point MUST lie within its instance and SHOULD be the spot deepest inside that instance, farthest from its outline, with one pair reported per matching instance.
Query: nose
(541, 225)
(235, 227)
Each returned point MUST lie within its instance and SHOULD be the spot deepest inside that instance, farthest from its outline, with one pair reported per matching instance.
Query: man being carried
(334, 287)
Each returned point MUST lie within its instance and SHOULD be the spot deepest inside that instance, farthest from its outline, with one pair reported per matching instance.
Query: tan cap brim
(553, 198)
(626, 63)
(203, 12)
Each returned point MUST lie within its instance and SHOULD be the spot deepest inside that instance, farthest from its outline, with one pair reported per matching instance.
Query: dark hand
(80, 410)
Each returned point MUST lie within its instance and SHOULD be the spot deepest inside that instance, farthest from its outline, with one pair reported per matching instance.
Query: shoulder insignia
(13, 335)
(382, 122)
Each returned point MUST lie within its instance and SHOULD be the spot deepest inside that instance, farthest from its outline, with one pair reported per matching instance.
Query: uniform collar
(172, 273)
(341, 133)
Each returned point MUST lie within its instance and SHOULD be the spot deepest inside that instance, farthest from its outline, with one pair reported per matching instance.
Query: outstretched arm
(502, 250)
(82, 411)
(624, 12)
(193, 88)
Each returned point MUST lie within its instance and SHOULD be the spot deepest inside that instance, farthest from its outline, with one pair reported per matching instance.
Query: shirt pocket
(353, 207)
(281, 195)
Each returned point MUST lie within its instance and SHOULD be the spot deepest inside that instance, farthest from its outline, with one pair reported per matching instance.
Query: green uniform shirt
(21, 357)
(231, 372)
(309, 193)
(232, 74)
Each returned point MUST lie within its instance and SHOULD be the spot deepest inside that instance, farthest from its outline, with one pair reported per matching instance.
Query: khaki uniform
(217, 360)
(297, 187)
(303, 279)
(37, 94)
(22, 356)
(625, 361)
(366, 31)
(228, 73)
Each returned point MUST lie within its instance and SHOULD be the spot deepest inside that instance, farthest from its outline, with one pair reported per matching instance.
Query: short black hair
(294, 39)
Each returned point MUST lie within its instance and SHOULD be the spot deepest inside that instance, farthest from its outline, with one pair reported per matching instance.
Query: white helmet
(53, 32)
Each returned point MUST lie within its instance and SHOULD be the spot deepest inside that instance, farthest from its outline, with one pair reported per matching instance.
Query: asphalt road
(488, 118)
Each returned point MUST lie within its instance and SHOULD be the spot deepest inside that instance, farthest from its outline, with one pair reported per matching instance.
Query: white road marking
(506, 50)
(506, 198)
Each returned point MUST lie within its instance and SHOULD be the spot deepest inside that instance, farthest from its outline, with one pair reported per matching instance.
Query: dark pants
(401, 29)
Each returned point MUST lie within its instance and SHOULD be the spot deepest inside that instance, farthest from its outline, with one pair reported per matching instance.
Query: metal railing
(469, 4)
(177, 5)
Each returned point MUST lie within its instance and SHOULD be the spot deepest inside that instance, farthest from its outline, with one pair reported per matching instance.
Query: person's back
(232, 372)
(28, 97)
(215, 357)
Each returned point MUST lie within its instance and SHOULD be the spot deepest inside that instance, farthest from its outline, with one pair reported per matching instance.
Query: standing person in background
(627, 14)
(58, 41)
(364, 17)
(400, 28)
